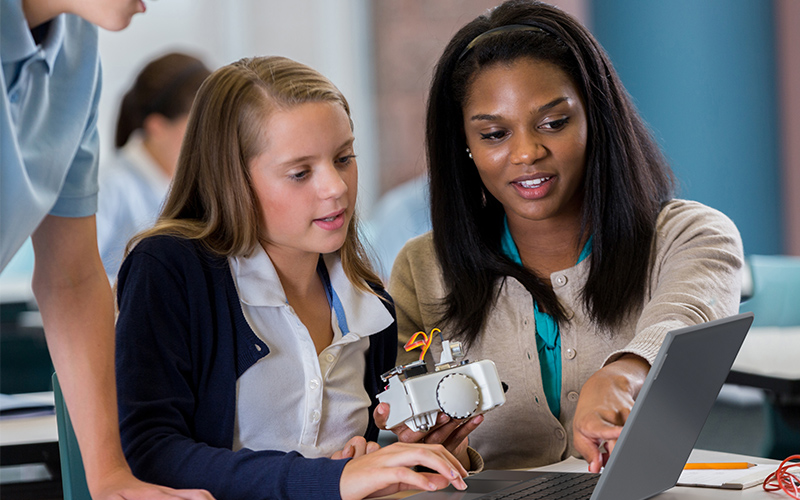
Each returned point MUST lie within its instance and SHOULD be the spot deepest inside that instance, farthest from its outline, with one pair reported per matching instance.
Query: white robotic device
(458, 388)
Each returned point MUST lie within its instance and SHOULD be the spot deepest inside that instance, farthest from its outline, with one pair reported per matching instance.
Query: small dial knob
(458, 395)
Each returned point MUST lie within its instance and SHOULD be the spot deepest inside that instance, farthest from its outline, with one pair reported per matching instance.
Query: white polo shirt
(292, 399)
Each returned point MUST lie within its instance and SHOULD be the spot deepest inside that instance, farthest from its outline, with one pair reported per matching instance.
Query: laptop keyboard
(552, 486)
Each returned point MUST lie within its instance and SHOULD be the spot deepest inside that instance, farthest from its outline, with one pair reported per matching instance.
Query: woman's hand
(388, 470)
(453, 434)
(606, 401)
(356, 447)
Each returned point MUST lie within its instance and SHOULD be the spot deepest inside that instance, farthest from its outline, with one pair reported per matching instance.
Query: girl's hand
(388, 470)
(606, 401)
(121, 485)
(356, 447)
(453, 434)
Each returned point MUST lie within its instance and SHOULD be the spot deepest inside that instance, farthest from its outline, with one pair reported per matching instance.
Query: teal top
(548, 338)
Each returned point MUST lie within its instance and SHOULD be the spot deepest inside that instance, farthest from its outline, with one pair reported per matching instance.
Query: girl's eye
(556, 124)
(345, 160)
(493, 136)
(299, 176)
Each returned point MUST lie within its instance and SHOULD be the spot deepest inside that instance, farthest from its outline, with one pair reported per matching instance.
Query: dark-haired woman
(150, 127)
(557, 250)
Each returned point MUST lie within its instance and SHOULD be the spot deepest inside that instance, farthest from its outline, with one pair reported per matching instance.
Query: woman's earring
(469, 153)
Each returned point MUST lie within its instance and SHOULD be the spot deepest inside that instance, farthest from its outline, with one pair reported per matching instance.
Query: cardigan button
(560, 434)
(561, 280)
(570, 353)
(572, 396)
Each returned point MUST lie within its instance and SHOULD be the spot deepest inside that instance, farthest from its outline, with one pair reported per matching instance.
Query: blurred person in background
(150, 127)
(400, 214)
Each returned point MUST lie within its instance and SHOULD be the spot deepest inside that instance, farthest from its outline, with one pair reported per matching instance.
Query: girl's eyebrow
(555, 102)
(303, 159)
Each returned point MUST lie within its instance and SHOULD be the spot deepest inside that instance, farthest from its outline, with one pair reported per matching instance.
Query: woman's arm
(696, 277)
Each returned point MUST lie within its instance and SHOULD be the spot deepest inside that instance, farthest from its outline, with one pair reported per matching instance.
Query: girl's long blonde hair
(211, 198)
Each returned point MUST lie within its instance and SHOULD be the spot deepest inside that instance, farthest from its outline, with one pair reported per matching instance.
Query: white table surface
(30, 429)
(771, 352)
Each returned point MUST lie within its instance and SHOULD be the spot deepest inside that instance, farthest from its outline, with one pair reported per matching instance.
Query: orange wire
(784, 480)
(425, 343)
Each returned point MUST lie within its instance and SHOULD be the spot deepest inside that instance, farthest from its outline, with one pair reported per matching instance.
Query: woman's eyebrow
(489, 117)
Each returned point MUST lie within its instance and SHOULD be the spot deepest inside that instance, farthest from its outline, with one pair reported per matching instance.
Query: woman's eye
(555, 124)
(490, 136)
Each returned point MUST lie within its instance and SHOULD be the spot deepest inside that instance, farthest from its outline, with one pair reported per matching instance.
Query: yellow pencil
(719, 465)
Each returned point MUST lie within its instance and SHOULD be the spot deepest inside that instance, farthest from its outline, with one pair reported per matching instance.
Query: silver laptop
(658, 436)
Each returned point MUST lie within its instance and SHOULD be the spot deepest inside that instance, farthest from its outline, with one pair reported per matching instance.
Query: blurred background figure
(150, 127)
(400, 214)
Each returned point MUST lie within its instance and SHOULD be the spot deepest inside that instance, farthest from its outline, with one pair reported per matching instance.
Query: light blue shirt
(48, 124)
(132, 191)
(401, 214)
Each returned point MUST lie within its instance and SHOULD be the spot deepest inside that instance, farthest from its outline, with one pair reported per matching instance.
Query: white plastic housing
(416, 404)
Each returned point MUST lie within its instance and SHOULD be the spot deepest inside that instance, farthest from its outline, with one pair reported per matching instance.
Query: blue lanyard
(333, 299)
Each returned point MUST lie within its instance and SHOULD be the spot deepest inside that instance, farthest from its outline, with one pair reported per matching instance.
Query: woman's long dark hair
(627, 178)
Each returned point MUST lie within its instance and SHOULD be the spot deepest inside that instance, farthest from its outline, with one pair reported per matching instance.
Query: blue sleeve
(159, 330)
(78, 196)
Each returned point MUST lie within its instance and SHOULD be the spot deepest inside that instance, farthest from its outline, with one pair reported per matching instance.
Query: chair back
(73, 476)
(776, 288)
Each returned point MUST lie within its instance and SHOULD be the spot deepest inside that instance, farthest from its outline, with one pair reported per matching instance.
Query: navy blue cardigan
(182, 343)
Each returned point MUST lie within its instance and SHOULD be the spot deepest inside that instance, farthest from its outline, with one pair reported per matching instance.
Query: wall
(787, 19)
(704, 76)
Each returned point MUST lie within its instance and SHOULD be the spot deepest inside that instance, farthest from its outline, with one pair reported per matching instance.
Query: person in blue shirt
(150, 126)
(252, 331)
(48, 190)
(400, 214)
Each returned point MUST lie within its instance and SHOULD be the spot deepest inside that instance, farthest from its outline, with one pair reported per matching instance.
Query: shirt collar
(142, 162)
(365, 312)
(509, 248)
(16, 41)
(257, 280)
(55, 38)
(259, 286)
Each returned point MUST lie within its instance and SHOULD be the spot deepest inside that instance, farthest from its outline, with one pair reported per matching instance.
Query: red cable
(784, 480)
